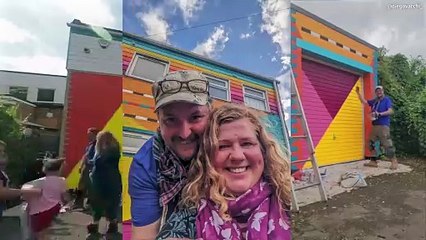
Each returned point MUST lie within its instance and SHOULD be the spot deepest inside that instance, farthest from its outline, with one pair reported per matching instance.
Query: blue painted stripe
(331, 55)
(294, 149)
(195, 62)
(136, 130)
(293, 158)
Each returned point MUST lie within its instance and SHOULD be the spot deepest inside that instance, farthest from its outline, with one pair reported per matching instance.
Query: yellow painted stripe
(344, 139)
(124, 168)
(115, 126)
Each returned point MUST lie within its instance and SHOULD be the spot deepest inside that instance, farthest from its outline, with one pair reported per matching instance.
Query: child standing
(43, 209)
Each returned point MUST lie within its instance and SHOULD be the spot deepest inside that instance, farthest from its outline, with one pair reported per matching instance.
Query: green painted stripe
(137, 130)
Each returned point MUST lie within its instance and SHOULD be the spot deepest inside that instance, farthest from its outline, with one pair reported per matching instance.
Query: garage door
(334, 113)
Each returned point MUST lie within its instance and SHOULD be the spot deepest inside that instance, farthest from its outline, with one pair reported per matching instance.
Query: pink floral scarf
(258, 209)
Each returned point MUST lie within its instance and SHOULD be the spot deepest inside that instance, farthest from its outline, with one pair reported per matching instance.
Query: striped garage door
(333, 111)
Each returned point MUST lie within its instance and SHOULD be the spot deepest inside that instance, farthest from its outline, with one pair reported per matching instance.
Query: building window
(18, 92)
(46, 95)
(147, 68)
(255, 98)
(218, 88)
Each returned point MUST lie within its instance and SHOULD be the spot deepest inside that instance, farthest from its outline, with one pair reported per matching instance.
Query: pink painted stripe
(127, 230)
(237, 97)
(236, 89)
(273, 103)
(240, 94)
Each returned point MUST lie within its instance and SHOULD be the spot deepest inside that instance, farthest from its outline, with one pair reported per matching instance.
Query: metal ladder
(300, 115)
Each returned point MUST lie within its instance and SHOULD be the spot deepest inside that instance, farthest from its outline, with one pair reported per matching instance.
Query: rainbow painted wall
(328, 64)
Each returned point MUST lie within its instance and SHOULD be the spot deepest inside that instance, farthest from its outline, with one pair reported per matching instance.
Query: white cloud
(12, 33)
(37, 63)
(247, 35)
(189, 8)
(95, 12)
(37, 37)
(214, 44)
(284, 89)
(155, 25)
(275, 22)
(273, 59)
(381, 35)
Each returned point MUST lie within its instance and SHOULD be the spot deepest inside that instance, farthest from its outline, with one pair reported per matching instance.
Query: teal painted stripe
(293, 19)
(127, 154)
(331, 55)
(196, 62)
(136, 130)
(139, 105)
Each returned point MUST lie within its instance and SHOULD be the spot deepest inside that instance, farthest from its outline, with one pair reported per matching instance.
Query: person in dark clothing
(85, 169)
(106, 185)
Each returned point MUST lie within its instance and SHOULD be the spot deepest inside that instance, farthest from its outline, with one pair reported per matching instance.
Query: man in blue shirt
(381, 109)
(159, 169)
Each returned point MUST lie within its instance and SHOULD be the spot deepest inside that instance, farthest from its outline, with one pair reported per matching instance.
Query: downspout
(281, 114)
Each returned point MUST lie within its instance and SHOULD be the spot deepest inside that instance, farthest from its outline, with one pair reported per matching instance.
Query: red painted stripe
(88, 106)
(236, 89)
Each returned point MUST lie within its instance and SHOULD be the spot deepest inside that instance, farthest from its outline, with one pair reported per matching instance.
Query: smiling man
(381, 109)
(158, 172)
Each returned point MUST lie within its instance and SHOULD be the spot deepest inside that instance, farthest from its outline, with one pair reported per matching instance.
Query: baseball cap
(378, 87)
(181, 86)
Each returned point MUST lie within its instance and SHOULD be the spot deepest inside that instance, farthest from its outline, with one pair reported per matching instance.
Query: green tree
(404, 80)
(22, 151)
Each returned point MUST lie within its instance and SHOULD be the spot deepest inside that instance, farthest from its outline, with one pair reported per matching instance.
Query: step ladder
(306, 135)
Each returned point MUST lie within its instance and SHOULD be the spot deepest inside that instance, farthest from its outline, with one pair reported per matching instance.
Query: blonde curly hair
(205, 182)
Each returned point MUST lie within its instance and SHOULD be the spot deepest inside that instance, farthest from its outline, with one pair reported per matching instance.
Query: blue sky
(258, 43)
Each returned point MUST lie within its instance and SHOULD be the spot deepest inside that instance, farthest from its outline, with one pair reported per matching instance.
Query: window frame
(38, 91)
(227, 88)
(136, 57)
(23, 87)
(264, 99)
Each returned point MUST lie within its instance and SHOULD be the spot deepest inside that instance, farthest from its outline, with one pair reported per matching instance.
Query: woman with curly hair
(106, 184)
(238, 187)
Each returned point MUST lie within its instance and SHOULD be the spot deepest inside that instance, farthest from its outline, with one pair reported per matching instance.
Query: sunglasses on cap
(174, 86)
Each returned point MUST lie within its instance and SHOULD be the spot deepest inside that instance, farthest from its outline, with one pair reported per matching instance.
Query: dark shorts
(43, 220)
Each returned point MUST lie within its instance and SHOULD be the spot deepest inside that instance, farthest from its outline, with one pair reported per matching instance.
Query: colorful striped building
(110, 75)
(328, 64)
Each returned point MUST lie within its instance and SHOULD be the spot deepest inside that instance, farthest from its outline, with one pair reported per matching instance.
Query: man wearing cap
(158, 172)
(381, 109)
(86, 168)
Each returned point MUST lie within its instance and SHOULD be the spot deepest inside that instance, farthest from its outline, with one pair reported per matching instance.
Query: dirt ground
(391, 207)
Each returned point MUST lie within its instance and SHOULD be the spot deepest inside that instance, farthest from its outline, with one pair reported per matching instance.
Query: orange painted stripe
(139, 86)
(322, 29)
(138, 99)
(127, 54)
